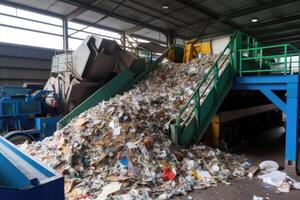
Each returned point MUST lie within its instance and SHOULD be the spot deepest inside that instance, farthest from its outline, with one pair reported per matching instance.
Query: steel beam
(292, 111)
(279, 35)
(265, 31)
(28, 29)
(139, 3)
(21, 6)
(239, 13)
(283, 39)
(280, 20)
(291, 107)
(115, 15)
(123, 40)
(80, 10)
(31, 20)
(149, 39)
(75, 13)
(48, 13)
(148, 14)
(274, 98)
(170, 38)
(255, 9)
(65, 34)
(211, 14)
(133, 29)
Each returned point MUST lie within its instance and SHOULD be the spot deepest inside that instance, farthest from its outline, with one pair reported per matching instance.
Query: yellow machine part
(204, 48)
(192, 49)
(171, 54)
(212, 135)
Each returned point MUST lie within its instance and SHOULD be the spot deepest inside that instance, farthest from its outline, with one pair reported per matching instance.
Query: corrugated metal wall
(20, 64)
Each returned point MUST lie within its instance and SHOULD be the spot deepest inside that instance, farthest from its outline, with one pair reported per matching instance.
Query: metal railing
(273, 59)
(208, 82)
(204, 101)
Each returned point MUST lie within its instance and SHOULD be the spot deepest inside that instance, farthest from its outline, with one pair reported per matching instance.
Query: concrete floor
(265, 146)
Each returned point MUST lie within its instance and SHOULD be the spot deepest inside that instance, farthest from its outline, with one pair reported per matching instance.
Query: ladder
(248, 65)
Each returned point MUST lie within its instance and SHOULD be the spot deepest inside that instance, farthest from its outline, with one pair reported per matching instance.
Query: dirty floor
(266, 146)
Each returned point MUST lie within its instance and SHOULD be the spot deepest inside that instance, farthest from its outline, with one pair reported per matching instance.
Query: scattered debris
(246, 165)
(280, 180)
(252, 171)
(109, 189)
(274, 178)
(257, 198)
(122, 148)
(285, 186)
(268, 166)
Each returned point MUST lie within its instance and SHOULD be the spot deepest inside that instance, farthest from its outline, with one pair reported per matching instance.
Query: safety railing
(248, 41)
(273, 59)
(207, 83)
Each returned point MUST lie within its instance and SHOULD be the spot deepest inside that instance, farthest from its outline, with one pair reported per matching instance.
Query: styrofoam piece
(269, 166)
(274, 178)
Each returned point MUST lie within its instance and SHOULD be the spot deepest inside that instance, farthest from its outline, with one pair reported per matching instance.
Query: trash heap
(271, 175)
(120, 149)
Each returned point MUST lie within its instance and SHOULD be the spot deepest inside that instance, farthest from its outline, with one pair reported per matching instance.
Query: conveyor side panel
(117, 85)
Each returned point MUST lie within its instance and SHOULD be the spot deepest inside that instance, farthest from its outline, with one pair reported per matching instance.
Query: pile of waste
(270, 174)
(120, 149)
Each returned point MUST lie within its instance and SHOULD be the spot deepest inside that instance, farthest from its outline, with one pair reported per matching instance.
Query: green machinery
(243, 65)
(124, 81)
(243, 56)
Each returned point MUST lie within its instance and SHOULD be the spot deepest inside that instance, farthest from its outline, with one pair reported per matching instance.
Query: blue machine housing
(25, 113)
(22, 178)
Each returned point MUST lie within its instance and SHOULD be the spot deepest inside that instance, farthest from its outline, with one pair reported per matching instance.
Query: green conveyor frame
(197, 113)
(122, 82)
(199, 109)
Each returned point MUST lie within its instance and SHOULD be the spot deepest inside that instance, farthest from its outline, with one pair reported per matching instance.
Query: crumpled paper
(123, 143)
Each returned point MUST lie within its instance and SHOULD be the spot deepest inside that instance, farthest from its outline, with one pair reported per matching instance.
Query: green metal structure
(244, 64)
(198, 111)
(244, 55)
(122, 82)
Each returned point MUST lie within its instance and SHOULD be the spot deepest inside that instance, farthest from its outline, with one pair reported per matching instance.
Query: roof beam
(278, 35)
(211, 14)
(48, 13)
(80, 10)
(32, 9)
(153, 17)
(285, 41)
(283, 38)
(241, 12)
(75, 13)
(296, 44)
(147, 38)
(273, 22)
(133, 30)
(211, 35)
(265, 31)
(115, 15)
(97, 25)
(162, 14)
(254, 9)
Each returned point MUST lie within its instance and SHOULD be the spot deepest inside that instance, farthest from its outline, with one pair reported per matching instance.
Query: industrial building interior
(158, 99)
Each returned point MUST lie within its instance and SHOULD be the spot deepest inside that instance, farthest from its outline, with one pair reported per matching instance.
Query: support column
(290, 84)
(237, 45)
(291, 141)
(65, 34)
(124, 40)
(170, 38)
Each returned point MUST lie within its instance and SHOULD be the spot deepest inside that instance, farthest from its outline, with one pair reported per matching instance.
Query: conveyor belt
(22, 178)
(117, 85)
